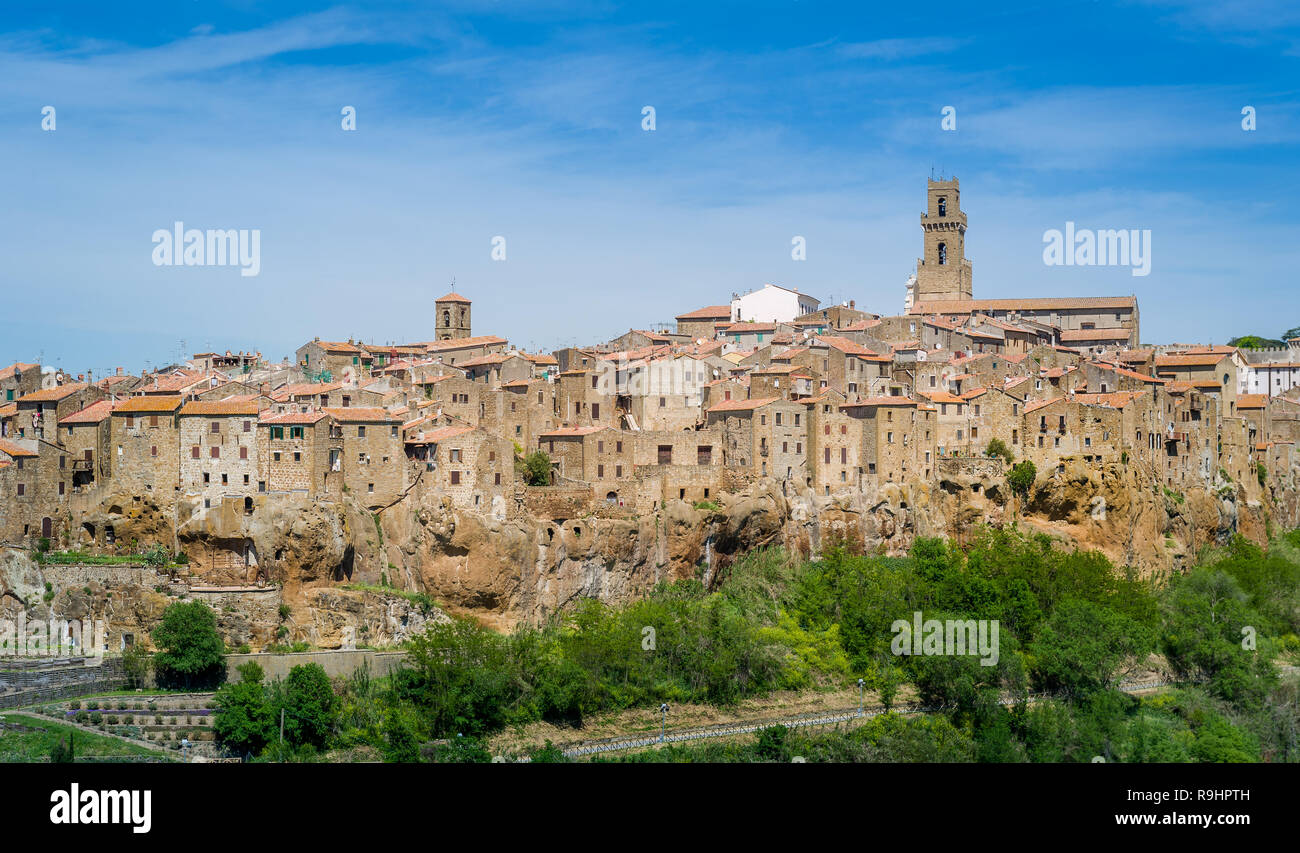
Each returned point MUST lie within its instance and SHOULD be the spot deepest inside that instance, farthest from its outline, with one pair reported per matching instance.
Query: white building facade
(771, 304)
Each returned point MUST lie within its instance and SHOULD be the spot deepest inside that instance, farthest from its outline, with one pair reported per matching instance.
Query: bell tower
(452, 317)
(943, 272)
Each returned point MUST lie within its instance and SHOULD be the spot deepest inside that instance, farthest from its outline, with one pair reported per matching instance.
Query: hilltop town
(767, 417)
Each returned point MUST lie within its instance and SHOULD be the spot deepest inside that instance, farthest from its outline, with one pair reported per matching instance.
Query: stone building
(144, 439)
(18, 379)
(452, 317)
(219, 446)
(703, 322)
(87, 436)
(373, 454)
(38, 413)
(943, 272)
(300, 452)
(898, 439)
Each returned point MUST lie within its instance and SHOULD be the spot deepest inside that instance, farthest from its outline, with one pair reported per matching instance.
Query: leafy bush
(997, 447)
(535, 468)
(1021, 477)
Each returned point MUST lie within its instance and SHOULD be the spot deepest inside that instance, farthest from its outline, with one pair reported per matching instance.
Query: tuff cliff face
(347, 574)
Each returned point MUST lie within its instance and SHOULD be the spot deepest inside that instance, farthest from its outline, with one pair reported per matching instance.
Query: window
(214, 428)
(194, 452)
(22, 489)
(455, 478)
(826, 455)
(276, 456)
(361, 432)
(704, 454)
(455, 454)
(618, 470)
(277, 432)
(844, 429)
(215, 451)
(796, 419)
(600, 471)
(943, 206)
(844, 455)
(248, 426)
(943, 253)
(297, 457)
(297, 432)
(497, 480)
(153, 420)
(889, 437)
(663, 401)
(618, 447)
(243, 453)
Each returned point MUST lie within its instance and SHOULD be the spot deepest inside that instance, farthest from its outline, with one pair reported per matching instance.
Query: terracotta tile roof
(880, 401)
(1039, 404)
(942, 396)
(1190, 360)
(16, 367)
(181, 381)
(518, 383)
(1133, 374)
(786, 355)
(304, 389)
(53, 395)
(359, 414)
(973, 393)
(93, 414)
(1073, 335)
(152, 403)
(780, 369)
(750, 328)
(966, 306)
(847, 346)
(709, 312)
(15, 450)
(490, 358)
(453, 297)
(338, 346)
(742, 405)
(268, 419)
(8, 410)
(540, 358)
(1113, 400)
(438, 435)
(463, 343)
(1252, 401)
(218, 408)
(568, 432)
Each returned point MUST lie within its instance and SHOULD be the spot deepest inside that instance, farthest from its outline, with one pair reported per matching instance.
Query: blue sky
(523, 120)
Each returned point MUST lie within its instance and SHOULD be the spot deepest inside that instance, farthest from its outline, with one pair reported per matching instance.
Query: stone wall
(337, 664)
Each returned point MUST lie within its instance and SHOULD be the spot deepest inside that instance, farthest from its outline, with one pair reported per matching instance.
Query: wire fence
(824, 718)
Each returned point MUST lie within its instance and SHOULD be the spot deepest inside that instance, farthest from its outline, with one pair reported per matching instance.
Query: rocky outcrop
(335, 564)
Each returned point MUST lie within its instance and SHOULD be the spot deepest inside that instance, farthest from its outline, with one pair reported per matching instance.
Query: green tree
(192, 651)
(135, 665)
(1082, 646)
(535, 468)
(998, 447)
(1021, 477)
(244, 720)
(309, 704)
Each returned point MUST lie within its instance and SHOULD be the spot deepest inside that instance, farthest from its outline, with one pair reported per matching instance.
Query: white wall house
(1272, 378)
(771, 304)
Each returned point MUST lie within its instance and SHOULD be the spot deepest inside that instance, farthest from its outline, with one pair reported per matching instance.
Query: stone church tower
(943, 273)
(452, 319)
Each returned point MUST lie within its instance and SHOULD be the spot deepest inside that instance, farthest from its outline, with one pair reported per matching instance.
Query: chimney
(119, 372)
(851, 303)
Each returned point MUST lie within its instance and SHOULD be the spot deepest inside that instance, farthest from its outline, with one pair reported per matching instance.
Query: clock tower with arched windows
(452, 317)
